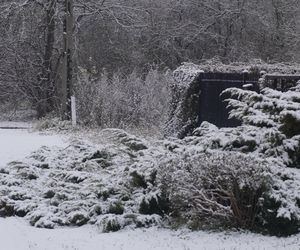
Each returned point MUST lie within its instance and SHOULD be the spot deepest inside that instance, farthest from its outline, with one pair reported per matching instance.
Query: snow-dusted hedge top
(187, 72)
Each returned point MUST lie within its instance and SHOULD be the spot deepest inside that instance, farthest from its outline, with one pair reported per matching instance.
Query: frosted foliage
(82, 183)
(263, 153)
(277, 114)
(120, 101)
(214, 178)
(207, 189)
(268, 109)
(186, 73)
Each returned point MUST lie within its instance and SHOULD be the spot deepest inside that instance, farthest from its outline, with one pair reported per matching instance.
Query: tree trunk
(65, 73)
(46, 90)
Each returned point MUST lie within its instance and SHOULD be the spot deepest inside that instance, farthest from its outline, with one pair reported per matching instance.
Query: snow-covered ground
(16, 144)
(16, 234)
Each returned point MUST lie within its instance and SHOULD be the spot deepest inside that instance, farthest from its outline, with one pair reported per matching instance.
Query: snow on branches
(214, 189)
(270, 108)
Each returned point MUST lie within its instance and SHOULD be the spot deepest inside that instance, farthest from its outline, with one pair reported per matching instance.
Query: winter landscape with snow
(76, 188)
(20, 146)
(149, 124)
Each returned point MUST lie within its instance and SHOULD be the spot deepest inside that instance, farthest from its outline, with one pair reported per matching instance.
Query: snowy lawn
(17, 144)
(16, 234)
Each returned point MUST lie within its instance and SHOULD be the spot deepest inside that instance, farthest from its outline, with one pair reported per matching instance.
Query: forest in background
(118, 39)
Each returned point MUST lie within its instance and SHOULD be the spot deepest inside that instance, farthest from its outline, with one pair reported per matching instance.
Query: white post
(73, 111)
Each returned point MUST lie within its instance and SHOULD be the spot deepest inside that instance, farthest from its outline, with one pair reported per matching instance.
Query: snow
(16, 234)
(17, 144)
(250, 85)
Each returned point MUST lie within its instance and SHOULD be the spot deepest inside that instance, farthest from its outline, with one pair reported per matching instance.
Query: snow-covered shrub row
(216, 178)
(190, 70)
(112, 186)
(126, 102)
(230, 156)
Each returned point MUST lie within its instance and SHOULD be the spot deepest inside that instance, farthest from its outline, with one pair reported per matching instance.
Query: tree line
(135, 35)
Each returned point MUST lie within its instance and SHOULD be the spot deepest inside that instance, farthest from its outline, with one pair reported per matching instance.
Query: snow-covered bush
(213, 190)
(112, 186)
(277, 114)
(221, 155)
(118, 101)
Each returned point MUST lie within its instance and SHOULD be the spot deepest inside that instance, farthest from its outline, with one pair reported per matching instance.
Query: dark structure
(212, 107)
(196, 95)
(280, 82)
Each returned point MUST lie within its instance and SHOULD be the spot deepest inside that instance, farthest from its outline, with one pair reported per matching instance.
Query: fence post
(73, 111)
